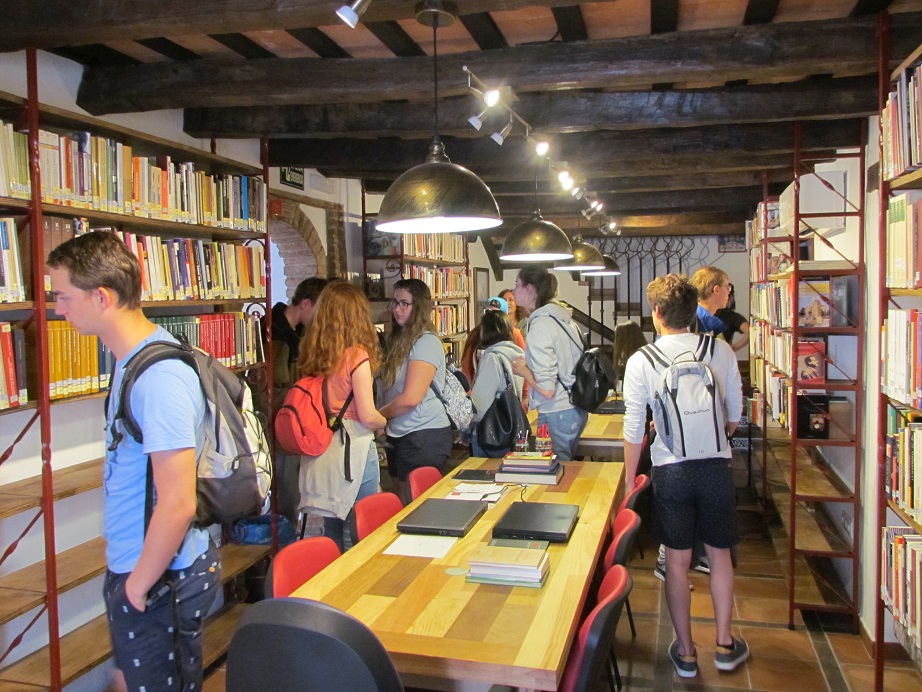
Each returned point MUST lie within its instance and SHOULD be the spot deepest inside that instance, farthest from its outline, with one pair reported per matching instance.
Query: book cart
(439, 260)
(899, 442)
(807, 317)
(210, 206)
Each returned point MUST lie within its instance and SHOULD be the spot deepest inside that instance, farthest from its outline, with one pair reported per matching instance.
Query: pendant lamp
(437, 196)
(586, 257)
(611, 268)
(536, 240)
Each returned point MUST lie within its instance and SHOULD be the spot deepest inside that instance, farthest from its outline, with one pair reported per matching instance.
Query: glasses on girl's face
(402, 304)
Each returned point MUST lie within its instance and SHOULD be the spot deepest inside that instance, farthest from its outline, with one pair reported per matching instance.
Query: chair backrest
(297, 644)
(423, 478)
(623, 533)
(589, 653)
(641, 487)
(296, 563)
(374, 510)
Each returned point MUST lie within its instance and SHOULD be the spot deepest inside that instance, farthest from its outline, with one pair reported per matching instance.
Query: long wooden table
(445, 633)
(602, 438)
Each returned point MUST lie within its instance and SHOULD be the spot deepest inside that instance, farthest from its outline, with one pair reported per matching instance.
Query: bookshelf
(900, 400)
(439, 260)
(807, 304)
(199, 231)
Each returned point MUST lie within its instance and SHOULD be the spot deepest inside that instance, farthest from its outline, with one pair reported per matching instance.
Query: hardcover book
(811, 362)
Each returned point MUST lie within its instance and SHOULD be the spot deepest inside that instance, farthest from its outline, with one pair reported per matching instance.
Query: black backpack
(594, 375)
(234, 471)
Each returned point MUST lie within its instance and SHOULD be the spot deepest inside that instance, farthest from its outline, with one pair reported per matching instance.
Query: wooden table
(602, 438)
(444, 633)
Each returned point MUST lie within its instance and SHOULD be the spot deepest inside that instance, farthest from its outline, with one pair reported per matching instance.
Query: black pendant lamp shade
(536, 240)
(586, 257)
(611, 268)
(437, 196)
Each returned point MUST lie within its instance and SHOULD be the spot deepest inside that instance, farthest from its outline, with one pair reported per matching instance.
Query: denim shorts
(565, 428)
(160, 650)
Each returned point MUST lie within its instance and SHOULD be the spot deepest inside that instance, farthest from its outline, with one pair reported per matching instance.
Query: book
(813, 416)
(813, 303)
(811, 362)
(527, 543)
(8, 364)
(551, 476)
(508, 566)
(536, 459)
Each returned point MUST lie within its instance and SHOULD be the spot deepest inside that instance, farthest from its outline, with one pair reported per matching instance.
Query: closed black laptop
(441, 517)
(537, 521)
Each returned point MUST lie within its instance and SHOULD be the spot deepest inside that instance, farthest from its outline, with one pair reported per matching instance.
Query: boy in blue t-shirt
(162, 573)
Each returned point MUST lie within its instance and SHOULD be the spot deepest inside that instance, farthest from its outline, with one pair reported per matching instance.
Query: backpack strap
(655, 357)
(706, 345)
(579, 344)
(336, 424)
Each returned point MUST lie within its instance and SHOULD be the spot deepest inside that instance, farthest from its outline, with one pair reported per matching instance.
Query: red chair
(372, 511)
(624, 530)
(423, 478)
(597, 634)
(297, 563)
(632, 500)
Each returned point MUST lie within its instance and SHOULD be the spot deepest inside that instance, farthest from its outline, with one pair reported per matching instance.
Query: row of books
(508, 566)
(85, 171)
(821, 302)
(901, 583)
(443, 282)
(901, 370)
(903, 455)
(904, 257)
(901, 126)
(450, 319)
(234, 338)
(14, 389)
(196, 269)
(12, 285)
(448, 247)
(77, 364)
(769, 259)
(541, 468)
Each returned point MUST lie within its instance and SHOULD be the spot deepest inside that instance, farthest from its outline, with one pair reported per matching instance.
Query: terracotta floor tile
(785, 674)
(754, 587)
(770, 610)
(861, 678)
(849, 648)
(769, 642)
(644, 601)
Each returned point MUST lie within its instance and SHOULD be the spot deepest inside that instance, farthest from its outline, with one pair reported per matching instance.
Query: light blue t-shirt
(430, 413)
(168, 403)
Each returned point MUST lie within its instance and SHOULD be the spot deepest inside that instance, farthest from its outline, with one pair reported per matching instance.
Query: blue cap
(497, 303)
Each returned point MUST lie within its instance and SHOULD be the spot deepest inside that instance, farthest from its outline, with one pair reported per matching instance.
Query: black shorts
(429, 447)
(695, 497)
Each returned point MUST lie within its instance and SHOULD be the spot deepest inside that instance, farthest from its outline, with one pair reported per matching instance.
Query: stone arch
(298, 242)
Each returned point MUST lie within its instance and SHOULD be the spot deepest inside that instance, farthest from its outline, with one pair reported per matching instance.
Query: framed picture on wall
(481, 287)
(731, 243)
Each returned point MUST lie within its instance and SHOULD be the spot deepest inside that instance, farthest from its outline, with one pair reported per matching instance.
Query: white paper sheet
(486, 492)
(421, 546)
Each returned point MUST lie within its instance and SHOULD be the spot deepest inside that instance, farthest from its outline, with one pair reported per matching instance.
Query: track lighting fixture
(350, 13)
(542, 147)
(500, 137)
(575, 192)
(491, 97)
(477, 120)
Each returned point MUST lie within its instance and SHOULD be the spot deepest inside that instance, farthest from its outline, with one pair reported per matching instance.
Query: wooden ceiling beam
(769, 52)
(678, 226)
(570, 23)
(551, 113)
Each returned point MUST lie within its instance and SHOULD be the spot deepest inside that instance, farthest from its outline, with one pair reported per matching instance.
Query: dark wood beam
(398, 41)
(50, 23)
(863, 8)
(243, 45)
(570, 23)
(551, 113)
(319, 42)
(668, 224)
(96, 54)
(768, 51)
(484, 31)
(664, 16)
(170, 49)
(760, 11)
(585, 152)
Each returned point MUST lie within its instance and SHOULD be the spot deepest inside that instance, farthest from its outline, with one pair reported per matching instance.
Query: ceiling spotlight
(588, 213)
(477, 120)
(350, 13)
(542, 147)
(491, 97)
(595, 205)
(610, 268)
(563, 175)
(612, 225)
(598, 205)
(500, 137)
(575, 192)
(566, 183)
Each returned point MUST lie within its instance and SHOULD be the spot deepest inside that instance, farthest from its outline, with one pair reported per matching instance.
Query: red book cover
(9, 363)
(811, 363)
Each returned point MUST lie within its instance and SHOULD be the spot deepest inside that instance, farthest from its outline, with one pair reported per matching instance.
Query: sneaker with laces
(660, 571)
(685, 666)
(730, 657)
(703, 565)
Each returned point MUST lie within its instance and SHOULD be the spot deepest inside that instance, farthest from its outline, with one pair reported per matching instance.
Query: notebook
(538, 521)
(442, 517)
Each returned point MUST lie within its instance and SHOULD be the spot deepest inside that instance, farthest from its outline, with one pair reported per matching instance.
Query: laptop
(537, 521)
(442, 517)
(611, 407)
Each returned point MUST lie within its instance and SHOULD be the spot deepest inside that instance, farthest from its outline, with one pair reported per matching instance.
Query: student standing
(551, 352)
(690, 495)
(495, 369)
(163, 575)
(418, 428)
(713, 286)
(517, 313)
(736, 324)
(341, 343)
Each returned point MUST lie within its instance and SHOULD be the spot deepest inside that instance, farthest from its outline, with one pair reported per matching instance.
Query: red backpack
(304, 423)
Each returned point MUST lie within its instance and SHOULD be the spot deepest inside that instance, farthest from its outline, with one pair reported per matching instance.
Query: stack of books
(508, 566)
(530, 467)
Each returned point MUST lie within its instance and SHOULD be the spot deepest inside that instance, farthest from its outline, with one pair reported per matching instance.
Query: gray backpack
(688, 411)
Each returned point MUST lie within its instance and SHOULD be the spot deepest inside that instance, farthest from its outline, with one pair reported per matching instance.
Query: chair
(296, 563)
(632, 500)
(423, 478)
(597, 634)
(372, 511)
(624, 530)
(297, 644)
